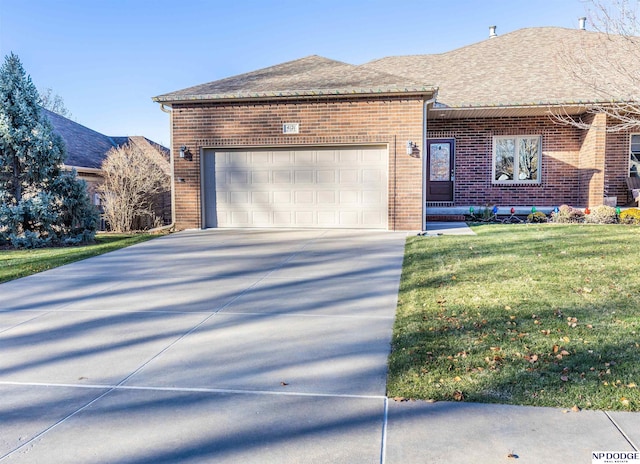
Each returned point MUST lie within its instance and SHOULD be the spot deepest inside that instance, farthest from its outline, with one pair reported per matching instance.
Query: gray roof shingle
(524, 67)
(310, 76)
(87, 148)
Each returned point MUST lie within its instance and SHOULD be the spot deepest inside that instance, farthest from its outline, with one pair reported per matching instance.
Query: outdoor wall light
(183, 150)
(410, 147)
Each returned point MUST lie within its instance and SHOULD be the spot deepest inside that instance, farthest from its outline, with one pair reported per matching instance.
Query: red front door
(440, 169)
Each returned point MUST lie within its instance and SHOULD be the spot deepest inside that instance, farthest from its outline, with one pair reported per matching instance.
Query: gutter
(424, 158)
(173, 190)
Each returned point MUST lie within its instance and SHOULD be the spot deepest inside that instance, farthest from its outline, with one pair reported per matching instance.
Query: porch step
(445, 218)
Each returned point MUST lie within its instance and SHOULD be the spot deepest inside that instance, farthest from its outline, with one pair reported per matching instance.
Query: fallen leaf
(566, 339)
(555, 348)
(576, 408)
(284, 384)
(457, 379)
(632, 385)
(400, 399)
(624, 401)
(512, 456)
(458, 395)
(564, 378)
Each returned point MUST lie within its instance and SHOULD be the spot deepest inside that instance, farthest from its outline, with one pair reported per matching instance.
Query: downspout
(173, 190)
(424, 158)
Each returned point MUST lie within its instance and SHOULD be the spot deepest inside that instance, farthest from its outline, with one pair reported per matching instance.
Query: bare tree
(53, 102)
(605, 63)
(133, 179)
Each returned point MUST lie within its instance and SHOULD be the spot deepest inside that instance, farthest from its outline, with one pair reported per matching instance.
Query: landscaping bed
(532, 314)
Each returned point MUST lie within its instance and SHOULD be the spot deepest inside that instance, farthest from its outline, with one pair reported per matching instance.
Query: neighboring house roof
(87, 148)
(524, 67)
(307, 77)
(531, 68)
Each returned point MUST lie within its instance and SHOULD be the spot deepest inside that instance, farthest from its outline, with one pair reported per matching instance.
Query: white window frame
(631, 152)
(515, 180)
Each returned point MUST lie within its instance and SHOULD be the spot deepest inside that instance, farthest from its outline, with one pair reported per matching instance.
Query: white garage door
(301, 187)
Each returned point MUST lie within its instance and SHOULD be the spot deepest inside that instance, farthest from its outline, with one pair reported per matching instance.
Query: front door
(440, 170)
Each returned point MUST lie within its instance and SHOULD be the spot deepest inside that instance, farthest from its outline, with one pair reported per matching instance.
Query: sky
(108, 58)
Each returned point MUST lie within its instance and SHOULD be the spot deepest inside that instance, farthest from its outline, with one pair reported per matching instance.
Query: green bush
(630, 216)
(602, 215)
(538, 216)
(567, 215)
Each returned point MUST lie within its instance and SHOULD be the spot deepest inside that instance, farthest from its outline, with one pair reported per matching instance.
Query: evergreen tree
(34, 192)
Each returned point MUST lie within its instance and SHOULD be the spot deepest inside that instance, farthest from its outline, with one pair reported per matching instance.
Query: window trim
(515, 181)
(631, 152)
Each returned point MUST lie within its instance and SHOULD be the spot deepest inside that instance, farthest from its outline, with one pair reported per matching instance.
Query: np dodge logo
(615, 457)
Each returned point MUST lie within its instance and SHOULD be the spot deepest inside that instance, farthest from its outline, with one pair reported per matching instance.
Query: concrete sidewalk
(244, 346)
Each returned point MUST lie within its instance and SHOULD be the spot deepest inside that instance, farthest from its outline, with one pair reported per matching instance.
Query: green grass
(545, 315)
(20, 263)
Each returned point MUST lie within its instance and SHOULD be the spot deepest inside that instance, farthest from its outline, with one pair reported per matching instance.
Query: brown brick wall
(574, 169)
(591, 165)
(375, 121)
(473, 164)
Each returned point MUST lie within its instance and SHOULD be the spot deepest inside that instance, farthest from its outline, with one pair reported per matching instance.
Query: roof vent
(582, 23)
(492, 32)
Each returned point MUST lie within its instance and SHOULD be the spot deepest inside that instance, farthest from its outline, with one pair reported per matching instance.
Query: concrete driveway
(218, 346)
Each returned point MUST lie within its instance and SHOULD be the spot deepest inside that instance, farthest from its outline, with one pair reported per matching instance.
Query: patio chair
(633, 183)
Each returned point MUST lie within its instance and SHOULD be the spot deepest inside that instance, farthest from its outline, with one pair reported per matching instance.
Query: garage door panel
(260, 177)
(303, 158)
(326, 158)
(281, 158)
(282, 177)
(304, 177)
(260, 198)
(303, 197)
(327, 197)
(320, 187)
(349, 157)
(326, 177)
(237, 178)
(348, 176)
(283, 197)
(237, 198)
(304, 218)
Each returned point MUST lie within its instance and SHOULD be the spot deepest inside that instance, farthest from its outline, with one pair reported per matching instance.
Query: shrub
(538, 216)
(630, 216)
(567, 215)
(602, 215)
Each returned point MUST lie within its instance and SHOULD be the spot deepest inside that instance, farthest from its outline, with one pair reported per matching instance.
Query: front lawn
(545, 315)
(20, 263)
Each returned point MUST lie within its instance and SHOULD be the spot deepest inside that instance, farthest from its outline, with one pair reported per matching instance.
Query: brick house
(319, 143)
(87, 149)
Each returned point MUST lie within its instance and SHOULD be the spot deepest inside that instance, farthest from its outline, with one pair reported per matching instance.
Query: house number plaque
(290, 128)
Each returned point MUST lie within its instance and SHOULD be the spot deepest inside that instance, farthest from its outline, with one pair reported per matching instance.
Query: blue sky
(107, 58)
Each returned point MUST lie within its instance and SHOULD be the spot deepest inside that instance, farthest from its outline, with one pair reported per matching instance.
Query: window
(517, 159)
(634, 161)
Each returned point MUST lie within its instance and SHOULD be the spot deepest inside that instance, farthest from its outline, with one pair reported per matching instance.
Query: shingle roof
(524, 67)
(310, 76)
(521, 68)
(87, 148)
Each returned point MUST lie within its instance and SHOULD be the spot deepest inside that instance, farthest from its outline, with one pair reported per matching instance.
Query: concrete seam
(383, 445)
(112, 388)
(51, 427)
(622, 432)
